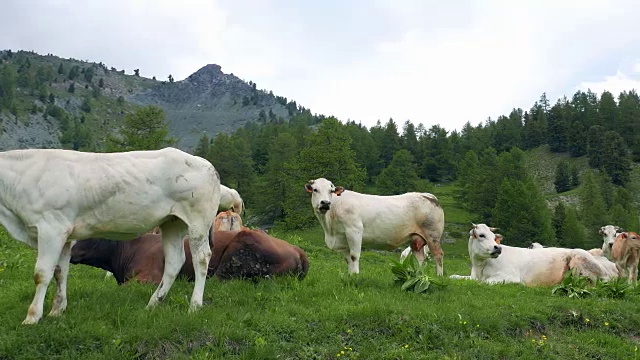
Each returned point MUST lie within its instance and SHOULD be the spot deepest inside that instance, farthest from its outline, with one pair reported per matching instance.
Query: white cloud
(615, 84)
(427, 61)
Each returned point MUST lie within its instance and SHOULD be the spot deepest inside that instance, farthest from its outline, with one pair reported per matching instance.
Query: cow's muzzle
(610, 245)
(497, 250)
(325, 205)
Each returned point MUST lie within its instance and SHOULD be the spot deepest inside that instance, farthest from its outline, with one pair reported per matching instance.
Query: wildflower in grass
(406, 346)
(544, 337)
(587, 320)
(477, 325)
(606, 323)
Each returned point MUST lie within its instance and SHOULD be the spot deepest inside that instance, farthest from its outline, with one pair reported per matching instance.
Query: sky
(431, 62)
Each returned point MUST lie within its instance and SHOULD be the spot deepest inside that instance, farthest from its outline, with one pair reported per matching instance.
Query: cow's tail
(304, 264)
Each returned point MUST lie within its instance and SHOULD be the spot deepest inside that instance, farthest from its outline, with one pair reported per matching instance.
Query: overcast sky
(431, 62)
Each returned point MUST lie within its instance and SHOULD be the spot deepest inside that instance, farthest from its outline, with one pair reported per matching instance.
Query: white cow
(609, 266)
(609, 234)
(351, 220)
(51, 198)
(493, 263)
(230, 200)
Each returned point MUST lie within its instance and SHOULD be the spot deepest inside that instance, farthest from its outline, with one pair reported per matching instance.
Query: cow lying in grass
(624, 253)
(493, 263)
(236, 254)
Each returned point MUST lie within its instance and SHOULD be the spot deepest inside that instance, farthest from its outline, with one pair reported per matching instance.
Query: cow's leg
(633, 273)
(173, 246)
(354, 240)
(200, 255)
(433, 242)
(61, 273)
(49, 252)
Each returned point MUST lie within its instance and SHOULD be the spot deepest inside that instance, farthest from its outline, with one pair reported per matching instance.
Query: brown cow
(625, 254)
(237, 254)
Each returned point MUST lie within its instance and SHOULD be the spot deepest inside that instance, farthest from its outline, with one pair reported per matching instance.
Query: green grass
(366, 316)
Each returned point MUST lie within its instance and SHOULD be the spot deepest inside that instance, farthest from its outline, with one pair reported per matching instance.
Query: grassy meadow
(328, 315)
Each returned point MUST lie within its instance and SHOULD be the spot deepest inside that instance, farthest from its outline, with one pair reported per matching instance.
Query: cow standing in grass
(50, 198)
(351, 220)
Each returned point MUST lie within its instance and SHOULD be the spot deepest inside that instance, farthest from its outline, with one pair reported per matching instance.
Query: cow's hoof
(29, 321)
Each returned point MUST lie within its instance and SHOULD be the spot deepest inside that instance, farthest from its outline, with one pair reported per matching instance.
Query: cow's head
(482, 242)
(609, 234)
(322, 191)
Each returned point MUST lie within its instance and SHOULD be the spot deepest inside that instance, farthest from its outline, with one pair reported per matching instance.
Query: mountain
(44, 105)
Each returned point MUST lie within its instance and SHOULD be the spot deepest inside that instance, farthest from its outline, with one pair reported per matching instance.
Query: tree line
(269, 163)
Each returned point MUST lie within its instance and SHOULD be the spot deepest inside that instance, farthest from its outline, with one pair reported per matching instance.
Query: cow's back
(384, 218)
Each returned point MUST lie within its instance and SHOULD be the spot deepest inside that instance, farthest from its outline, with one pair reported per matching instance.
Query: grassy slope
(367, 317)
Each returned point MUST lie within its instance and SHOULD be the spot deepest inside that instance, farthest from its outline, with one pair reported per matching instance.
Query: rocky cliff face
(209, 101)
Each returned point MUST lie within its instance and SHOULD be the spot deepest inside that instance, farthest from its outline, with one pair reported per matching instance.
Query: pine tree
(593, 211)
(575, 176)
(616, 158)
(559, 219)
(468, 180)
(563, 177)
(400, 176)
(595, 146)
(144, 129)
(329, 155)
(574, 232)
(276, 184)
(202, 149)
(521, 213)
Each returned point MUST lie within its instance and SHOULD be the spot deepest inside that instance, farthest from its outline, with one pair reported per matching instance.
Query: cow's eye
(481, 235)
(315, 190)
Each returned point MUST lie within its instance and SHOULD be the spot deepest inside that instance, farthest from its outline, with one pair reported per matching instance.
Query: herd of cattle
(76, 207)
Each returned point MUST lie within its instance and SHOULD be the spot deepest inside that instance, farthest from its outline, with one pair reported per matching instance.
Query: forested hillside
(47, 101)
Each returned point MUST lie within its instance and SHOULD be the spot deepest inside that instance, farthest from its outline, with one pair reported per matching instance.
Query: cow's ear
(339, 190)
(493, 229)
(601, 231)
(309, 188)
